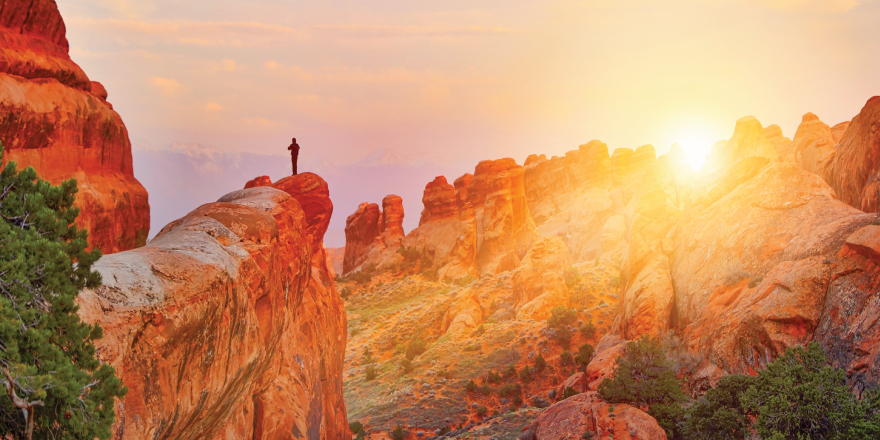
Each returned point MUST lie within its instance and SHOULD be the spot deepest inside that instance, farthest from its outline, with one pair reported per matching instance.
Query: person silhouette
(294, 154)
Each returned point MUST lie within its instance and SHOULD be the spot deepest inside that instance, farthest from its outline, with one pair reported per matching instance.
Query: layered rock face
(53, 118)
(812, 147)
(480, 225)
(228, 325)
(855, 171)
(587, 412)
(361, 230)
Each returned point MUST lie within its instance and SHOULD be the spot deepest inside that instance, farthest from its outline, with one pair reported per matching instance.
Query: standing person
(294, 154)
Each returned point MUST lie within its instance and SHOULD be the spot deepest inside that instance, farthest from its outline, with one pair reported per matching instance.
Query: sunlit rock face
(813, 145)
(53, 118)
(228, 324)
(855, 172)
(361, 230)
(587, 412)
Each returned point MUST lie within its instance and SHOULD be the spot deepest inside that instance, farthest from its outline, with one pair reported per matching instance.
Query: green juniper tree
(53, 385)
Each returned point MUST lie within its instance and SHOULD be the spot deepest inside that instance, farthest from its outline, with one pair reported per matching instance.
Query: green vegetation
(527, 374)
(561, 316)
(53, 385)
(471, 386)
(357, 428)
(464, 281)
(571, 276)
(568, 392)
(482, 410)
(484, 389)
(585, 354)
(493, 377)
(540, 363)
(643, 376)
(345, 292)
(798, 396)
(563, 337)
(397, 433)
(565, 358)
(588, 330)
(368, 358)
(510, 371)
(406, 365)
(371, 373)
(415, 348)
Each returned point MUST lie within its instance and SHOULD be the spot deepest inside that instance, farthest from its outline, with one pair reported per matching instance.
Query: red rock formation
(227, 325)
(549, 255)
(334, 258)
(587, 412)
(505, 230)
(392, 216)
(258, 181)
(461, 185)
(748, 141)
(54, 119)
(746, 289)
(855, 171)
(838, 131)
(361, 229)
(813, 145)
(313, 195)
(774, 134)
(439, 200)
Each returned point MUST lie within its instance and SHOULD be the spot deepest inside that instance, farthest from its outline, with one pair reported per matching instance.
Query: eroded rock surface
(53, 118)
(228, 324)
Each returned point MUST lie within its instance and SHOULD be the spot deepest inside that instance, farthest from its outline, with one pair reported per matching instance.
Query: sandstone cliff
(53, 118)
(855, 171)
(228, 324)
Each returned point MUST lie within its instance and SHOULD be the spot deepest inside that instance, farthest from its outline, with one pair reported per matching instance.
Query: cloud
(811, 5)
(378, 31)
(261, 122)
(166, 86)
(208, 34)
(271, 64)
(213, 107)
(229, 65)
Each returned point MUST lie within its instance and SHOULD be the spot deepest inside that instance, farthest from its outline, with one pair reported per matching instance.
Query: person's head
(294, 140)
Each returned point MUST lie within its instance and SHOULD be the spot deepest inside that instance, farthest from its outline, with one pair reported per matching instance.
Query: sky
(464, 81)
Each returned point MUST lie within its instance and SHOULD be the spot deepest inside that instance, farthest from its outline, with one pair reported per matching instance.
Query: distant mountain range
(183, 175)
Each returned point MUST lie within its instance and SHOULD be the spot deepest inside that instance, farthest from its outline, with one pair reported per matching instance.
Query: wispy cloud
(216, 34)
(166, 86)
(812, 5)
(379, 31)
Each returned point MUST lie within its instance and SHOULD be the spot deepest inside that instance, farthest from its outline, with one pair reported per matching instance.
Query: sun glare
(697, 146)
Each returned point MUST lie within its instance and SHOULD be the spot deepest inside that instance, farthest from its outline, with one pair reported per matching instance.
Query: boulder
(258, 181)
(586, 412)
(392, 217)
(554, 294)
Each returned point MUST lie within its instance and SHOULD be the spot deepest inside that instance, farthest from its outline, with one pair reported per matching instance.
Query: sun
(697, 146)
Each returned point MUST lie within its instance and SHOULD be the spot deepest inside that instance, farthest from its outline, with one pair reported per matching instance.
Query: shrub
(588, 330)
(717, 415)
(410, 255)
(642, 376)
(397, 433)
(565, 358)
(563, 337)
(510, 389)
(571, 276)
(345, 293)
(540, 363)
(480, 330)
(669, 417)
(371, 373)
(561, 316)
(585, 354)
(526, 374)
(356, 427)
(368, 358)
(471, 386)
(482, 410)
(47, 354)
(464, 281)
(568, 392)
(415, 348)
(446, 374)
(406, 365)
(493, 377)
(484, 390)
(799, 396)
(510, 371)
